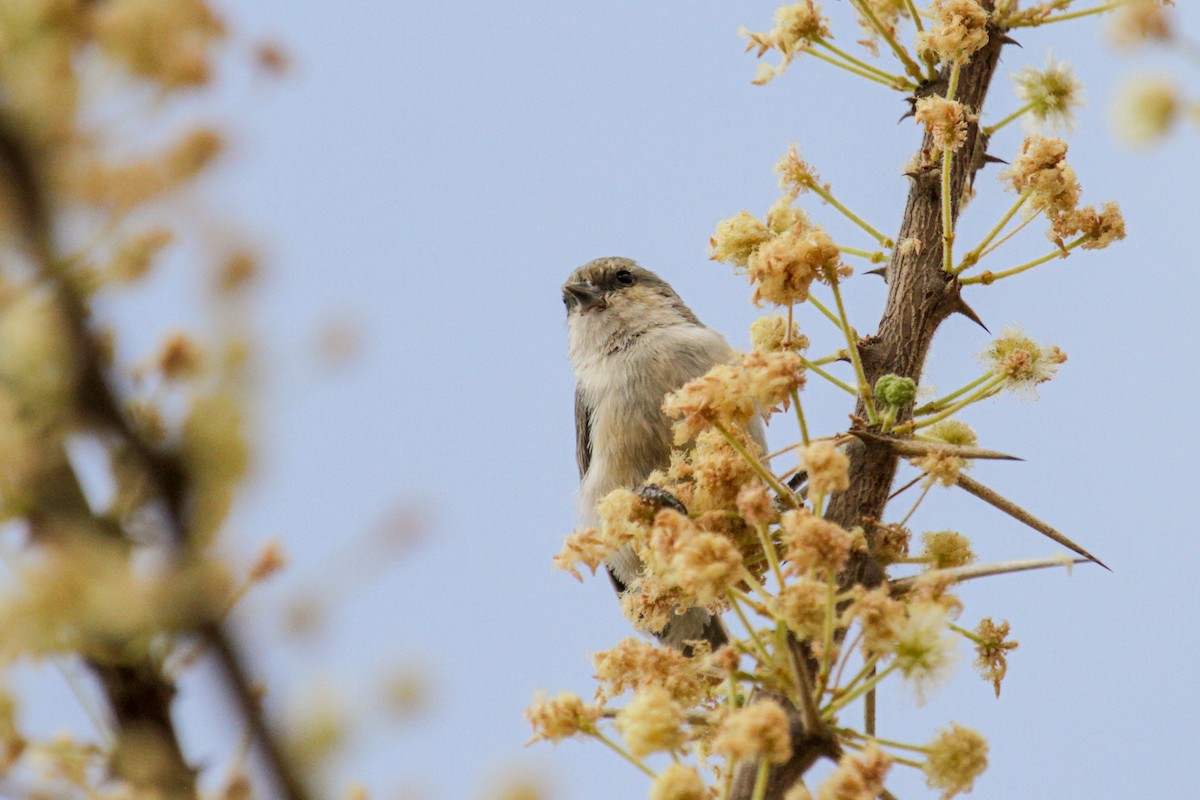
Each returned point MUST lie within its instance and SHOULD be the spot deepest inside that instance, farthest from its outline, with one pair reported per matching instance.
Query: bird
(631, 341)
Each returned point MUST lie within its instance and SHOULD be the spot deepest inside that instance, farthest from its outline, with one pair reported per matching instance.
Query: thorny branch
(921, 295)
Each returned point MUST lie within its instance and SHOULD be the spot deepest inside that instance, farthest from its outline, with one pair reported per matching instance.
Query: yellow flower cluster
(959, 30)
(945, 120)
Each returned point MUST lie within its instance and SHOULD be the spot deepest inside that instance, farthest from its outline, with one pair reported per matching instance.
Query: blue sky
(429, 173)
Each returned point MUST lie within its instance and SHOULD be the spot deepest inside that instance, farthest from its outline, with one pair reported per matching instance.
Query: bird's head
(615, 300)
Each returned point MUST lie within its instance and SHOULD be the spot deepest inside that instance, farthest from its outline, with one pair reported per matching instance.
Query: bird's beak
(583, 296)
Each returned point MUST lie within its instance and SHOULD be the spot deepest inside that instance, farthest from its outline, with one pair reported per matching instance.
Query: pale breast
(630, 436)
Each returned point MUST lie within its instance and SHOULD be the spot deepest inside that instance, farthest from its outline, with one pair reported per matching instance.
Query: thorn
(901, 586)
(988, 158)
(962, 308)
(985, 494)
(914, 447)
(880, 271)
(906, 115)
(1006, 39)
(913, 175)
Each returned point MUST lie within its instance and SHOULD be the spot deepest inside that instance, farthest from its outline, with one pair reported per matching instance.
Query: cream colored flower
(759, 729)
(651, 722)
(957, 756)
(828, 467)
(558, 718)
(959, 29)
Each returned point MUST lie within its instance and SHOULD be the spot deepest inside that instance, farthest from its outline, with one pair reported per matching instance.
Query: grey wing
(583, 434)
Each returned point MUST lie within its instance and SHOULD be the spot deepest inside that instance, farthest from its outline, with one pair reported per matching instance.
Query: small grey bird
(631, 342)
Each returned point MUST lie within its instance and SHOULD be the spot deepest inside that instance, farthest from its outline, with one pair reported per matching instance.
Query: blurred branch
(137, 692)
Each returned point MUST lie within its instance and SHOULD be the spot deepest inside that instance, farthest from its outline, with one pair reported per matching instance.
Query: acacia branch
(921, 295)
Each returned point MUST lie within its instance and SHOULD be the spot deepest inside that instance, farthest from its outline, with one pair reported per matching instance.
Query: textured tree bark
(921, 295)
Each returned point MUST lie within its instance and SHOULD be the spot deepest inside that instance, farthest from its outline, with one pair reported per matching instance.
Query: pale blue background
(432, 171)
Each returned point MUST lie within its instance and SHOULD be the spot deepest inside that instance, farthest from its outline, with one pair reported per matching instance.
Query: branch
(921, 295)
(131, 690)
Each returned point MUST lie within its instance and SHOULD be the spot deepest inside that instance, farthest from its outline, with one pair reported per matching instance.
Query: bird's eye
(625, 278)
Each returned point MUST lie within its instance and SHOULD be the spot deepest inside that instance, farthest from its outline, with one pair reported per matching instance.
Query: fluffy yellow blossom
(633, 663)
(707, 566)
(828, 467)
(947, 549)
(720, 396)
(759, 729)
(815, 544)
(651, 722)
(1022, 362)
(796, 26)
(795, 174)
(859, 776)
(1145, 109)
(957, 756)
(179, 357)
(783, 269)
(925, 651)
(945, 120)
(164, 40)
(1052, 94)
(737, 237)
(1138, 21)
(880, 617)
(585, 546)
(1041, 169)
(561, 717)
(652, 605)
(783, 216)
(770, 334)
(678, 782)
(802, 605)
(136, 255)
(958, 30)
(772, 377)
(953, 431)
(755, 505)
(1102, 227)
(991, 651)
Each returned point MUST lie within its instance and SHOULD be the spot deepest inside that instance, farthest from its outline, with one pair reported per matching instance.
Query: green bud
(893, 390)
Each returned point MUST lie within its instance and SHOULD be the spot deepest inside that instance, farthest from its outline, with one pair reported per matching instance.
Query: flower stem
(829, 315)
(910, 66)
(825, 195)
(623, 753)
(760, 779)
(972, 257)
(991, 129)
(947, 164)
(1087, 12)
(867, 686)
(916, 16)
(990, 277)
(896, 81)
(984, 391)
(864, 388)
(800, 416)
(941, 402)
(875, 256)
(784, 492)
(763, 654)
(840, 384)
(764, 538)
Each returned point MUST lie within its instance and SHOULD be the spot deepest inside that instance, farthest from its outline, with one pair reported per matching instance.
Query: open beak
(583, 296)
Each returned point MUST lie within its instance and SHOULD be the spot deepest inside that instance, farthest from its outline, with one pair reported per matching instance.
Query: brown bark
(921, 295)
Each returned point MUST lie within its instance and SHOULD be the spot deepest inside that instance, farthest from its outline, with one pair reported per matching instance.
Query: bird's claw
(660, 498)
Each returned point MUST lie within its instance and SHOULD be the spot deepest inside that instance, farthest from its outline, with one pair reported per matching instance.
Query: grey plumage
(632, 340)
